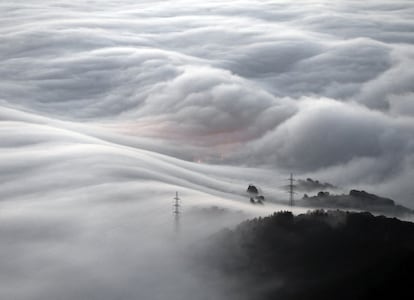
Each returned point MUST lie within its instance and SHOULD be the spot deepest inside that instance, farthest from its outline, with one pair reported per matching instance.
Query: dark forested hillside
(359, 200)
(319, 255)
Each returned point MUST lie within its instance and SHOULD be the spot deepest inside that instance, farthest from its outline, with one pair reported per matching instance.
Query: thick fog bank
(107, 108)
(311, 87)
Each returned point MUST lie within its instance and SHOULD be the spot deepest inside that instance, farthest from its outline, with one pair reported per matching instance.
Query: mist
(107, 108)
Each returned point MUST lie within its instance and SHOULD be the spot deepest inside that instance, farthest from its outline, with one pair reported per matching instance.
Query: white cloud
(91, 91)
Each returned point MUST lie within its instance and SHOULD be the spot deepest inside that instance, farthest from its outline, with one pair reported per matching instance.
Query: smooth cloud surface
(103, 101)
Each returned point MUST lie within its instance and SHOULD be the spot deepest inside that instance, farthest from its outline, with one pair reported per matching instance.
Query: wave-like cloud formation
(86, 216)
(310, 86)
(105, 103)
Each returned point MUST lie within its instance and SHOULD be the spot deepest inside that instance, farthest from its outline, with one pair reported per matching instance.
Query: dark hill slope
(359, 200)
(319, 255)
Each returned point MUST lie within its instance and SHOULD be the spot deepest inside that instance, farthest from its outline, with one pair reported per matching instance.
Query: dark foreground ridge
(318, 255)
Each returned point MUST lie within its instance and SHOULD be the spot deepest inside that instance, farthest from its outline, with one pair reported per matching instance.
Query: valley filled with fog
(108, 108)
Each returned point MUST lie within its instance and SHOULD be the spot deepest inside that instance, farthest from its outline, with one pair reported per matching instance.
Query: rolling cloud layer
(104, 100)
(309, 87)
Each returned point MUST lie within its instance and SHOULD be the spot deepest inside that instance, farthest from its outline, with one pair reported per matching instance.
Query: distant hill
(319, 255)
(359, 200)
(310, 185)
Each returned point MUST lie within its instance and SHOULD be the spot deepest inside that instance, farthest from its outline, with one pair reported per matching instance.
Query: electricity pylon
(176, 212)
(291, 191)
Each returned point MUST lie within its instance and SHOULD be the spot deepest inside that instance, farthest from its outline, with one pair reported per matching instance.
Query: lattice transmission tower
(176, 212)
(291, 190)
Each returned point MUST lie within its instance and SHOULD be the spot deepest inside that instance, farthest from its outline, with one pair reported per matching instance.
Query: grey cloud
(272, 58)
(99, 99)
(396, 81)
(214, 75)
(204, 102)
(348, 144)
(402, 105)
